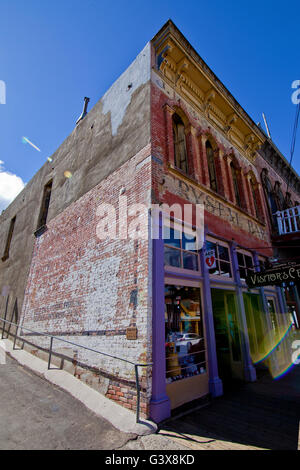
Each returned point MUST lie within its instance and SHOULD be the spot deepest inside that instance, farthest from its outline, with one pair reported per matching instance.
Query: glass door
(227, 334)
(256, 325)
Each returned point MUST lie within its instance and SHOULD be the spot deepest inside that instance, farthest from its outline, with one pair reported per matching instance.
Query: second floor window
(9, 238)
(211, 167)
(45, 205)
(235, 185)
(179, 144)
(254, 190)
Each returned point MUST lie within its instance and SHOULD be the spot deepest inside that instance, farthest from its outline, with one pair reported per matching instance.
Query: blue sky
(55, 52)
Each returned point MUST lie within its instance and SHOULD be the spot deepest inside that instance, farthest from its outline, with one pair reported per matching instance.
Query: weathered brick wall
(88, 290)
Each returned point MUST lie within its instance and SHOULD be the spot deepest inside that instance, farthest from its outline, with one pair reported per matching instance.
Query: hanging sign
(210, 259)
(276, 276)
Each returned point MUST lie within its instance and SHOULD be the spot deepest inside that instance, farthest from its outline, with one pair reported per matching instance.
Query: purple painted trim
(160, 407)
(249, 370)
(215, 383)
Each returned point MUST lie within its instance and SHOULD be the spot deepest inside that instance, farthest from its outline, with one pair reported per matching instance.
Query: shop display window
(184, 334)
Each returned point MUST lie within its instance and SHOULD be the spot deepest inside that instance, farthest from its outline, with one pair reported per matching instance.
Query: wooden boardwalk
(260, 415)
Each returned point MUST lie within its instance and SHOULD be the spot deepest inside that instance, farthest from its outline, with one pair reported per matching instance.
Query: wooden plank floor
(260, 415)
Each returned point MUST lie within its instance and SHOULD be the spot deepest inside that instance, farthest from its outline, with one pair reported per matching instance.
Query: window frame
(177, 225)
(244, 266)
(226, 245)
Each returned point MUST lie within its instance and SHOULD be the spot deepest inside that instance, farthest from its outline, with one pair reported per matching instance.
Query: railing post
(137, 393)
(5, 314)
(50, 352)
(15, 340)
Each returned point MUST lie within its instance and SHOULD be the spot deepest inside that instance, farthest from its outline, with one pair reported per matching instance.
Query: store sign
(214, 206)
(278, 275)
(210, 259)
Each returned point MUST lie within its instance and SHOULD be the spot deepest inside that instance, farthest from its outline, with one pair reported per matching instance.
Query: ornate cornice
(184, 70)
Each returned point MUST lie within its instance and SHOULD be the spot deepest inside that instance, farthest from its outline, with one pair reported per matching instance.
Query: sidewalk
(260, 415)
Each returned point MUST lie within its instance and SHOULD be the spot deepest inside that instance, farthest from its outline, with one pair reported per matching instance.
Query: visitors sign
(277, 275)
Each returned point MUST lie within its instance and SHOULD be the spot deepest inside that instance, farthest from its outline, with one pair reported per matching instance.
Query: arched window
(180, 152)
(211, 166)
(253, 186)
(270, 197)
(236, 185)
(280, 202)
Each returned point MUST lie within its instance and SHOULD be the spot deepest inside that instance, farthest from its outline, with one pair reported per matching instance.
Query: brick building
(166, 132)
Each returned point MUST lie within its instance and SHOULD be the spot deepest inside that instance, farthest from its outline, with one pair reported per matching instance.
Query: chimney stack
(84, 112)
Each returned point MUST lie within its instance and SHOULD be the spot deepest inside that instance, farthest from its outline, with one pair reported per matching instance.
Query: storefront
(242, 330)
(185, 336)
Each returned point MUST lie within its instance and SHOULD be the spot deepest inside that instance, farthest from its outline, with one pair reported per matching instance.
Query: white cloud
(10, 186)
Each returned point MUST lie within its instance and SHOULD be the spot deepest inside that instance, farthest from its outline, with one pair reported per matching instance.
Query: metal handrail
(52, 337)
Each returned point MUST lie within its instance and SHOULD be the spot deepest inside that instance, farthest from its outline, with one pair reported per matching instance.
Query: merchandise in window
(184, 336)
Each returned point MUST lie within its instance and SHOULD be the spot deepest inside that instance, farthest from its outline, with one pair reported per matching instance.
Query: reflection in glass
(185, 345)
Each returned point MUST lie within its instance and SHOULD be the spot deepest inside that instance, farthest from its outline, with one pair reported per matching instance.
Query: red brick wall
(162, 192)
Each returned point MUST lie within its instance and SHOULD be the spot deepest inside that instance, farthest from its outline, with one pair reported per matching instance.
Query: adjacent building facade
(167, 133)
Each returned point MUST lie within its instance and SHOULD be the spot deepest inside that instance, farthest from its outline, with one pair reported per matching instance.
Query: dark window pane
(216, 269)
(240, 258)
(243, 273)
(223, 253)
(249, 261)
(172, 257)
(225, 269)
(190, 261)
(210, 246)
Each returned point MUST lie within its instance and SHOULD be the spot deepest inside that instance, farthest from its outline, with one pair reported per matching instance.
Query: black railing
(52, 337)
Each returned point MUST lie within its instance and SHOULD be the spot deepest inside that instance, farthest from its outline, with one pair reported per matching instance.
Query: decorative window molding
(180, 150)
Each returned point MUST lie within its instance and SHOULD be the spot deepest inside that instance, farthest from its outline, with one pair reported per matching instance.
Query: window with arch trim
(180, 152)
(255, 197)
(237, 193)
(211, 166)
